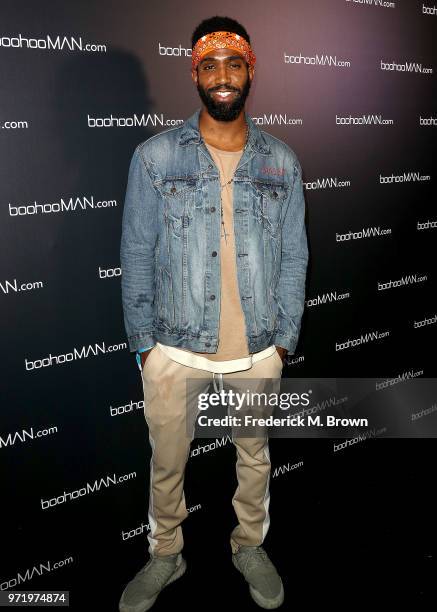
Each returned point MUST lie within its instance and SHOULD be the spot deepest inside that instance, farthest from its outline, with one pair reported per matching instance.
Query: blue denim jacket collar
(191, 134)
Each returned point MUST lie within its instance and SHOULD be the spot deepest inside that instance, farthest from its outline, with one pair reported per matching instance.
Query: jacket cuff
(139, 341)
(287, 341)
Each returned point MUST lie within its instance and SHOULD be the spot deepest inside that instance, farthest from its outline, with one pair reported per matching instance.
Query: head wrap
(221, 40)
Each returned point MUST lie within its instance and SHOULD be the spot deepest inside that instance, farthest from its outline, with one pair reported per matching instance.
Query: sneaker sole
(268, 604)
(147, 604)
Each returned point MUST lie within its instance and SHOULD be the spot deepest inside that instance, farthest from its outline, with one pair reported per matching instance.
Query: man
(214, 257)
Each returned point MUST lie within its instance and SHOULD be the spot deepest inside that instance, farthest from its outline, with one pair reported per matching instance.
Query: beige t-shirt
(232, 327)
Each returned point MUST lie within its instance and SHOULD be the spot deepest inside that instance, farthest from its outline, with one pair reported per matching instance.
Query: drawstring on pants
(220, 379)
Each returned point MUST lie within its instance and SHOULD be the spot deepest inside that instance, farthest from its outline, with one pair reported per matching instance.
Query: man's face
(223, 81)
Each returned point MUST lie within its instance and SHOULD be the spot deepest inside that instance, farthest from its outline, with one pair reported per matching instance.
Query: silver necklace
(228, 183)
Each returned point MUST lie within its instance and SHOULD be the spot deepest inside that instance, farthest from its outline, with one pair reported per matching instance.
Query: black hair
(216, 24)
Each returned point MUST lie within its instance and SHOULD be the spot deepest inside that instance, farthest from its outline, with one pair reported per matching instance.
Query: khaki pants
(165, 407)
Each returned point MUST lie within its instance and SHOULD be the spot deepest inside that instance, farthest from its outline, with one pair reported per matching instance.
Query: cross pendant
(224, 233)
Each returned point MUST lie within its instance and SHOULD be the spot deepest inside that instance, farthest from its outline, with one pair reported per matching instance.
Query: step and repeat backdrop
(350, 86)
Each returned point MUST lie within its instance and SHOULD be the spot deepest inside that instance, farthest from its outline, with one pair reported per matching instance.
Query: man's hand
(144, 356)
(282, 352)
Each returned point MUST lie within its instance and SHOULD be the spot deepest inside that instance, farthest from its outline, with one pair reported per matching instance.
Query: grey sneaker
(265, 584)
(141, 592)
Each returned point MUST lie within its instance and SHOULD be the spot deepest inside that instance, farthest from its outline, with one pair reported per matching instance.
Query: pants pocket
(276, 354)
(150, 356)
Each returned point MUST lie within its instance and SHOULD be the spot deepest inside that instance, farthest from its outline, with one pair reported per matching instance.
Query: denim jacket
(170, 242)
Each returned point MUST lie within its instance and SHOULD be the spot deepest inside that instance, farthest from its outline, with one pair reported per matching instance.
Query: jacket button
(212, 209)
(207, 343)
(210, 166)
(214, 253)
(212, 297)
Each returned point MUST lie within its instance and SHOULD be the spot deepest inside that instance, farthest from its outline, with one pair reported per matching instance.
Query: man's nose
(222, 75)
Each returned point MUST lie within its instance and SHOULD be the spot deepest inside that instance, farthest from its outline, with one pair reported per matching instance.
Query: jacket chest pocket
(179, 197)
(269, 199)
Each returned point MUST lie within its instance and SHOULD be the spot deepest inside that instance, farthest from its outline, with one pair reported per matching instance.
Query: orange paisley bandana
(221, 40)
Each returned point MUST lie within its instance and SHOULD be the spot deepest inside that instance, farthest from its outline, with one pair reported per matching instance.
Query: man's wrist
(138, 354)
(143, 350)
(282, 352)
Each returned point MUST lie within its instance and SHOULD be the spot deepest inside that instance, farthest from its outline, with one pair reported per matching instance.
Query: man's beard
(224, 111)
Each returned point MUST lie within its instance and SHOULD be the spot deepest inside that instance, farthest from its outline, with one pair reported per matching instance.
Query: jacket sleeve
(137, 254)
(294, 261)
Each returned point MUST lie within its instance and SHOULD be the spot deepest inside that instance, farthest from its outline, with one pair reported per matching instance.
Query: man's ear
(194, 76)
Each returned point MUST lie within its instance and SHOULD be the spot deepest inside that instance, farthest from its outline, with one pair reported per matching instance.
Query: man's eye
(232, 64)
